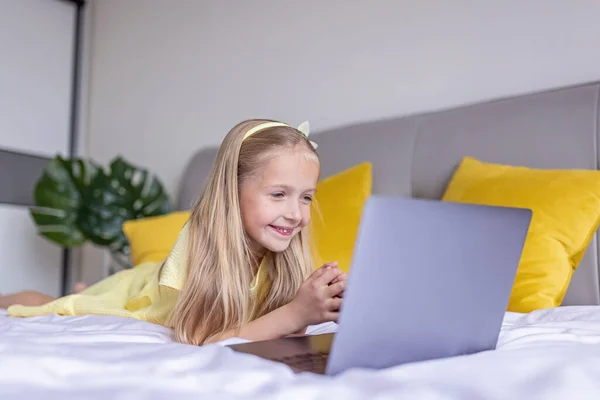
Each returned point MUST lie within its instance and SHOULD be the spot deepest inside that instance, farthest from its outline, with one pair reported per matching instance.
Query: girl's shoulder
(173, 271)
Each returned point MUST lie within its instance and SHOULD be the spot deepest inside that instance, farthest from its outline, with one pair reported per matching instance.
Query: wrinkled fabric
(550, 354)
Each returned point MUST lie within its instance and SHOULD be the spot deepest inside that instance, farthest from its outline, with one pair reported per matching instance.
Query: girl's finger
(329, 265)
(335, 289)
(317, 273)
(340, 278)
(334, 304)
(327, 276)
(332, 316)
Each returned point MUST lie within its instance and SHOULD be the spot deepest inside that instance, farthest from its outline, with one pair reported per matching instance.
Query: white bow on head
(304, 128)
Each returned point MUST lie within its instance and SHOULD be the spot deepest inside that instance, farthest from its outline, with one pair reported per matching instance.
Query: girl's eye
(308, 198)
(277, 195)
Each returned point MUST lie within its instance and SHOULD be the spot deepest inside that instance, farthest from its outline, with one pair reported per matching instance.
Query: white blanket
(552, 354)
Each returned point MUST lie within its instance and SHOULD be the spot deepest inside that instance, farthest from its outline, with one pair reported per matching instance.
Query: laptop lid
(428, 280)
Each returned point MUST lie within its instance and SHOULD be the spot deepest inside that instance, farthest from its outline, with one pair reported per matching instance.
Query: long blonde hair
(216, 297)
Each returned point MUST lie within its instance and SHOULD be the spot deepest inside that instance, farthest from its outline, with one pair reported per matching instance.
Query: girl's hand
(342, 278)
(318, 300)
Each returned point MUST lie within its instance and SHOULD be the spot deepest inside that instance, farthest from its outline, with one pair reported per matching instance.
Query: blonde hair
(216, 297)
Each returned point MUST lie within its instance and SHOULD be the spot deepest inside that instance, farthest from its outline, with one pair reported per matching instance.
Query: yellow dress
(145, 292)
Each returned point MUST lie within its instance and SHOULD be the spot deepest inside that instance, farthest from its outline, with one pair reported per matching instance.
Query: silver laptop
(428, 280)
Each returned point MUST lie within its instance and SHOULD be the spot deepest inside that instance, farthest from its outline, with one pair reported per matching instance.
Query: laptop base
(307, 353)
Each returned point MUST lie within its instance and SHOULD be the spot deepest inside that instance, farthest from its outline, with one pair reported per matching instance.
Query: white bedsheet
(552, 354)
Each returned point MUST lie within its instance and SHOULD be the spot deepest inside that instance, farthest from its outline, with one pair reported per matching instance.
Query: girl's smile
(275, 202)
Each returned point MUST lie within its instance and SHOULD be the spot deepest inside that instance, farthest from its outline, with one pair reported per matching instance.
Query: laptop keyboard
(311, 362)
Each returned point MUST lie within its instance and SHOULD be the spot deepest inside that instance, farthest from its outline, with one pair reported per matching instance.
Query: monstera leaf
(59, 196)
(125, 192)
(77, 201)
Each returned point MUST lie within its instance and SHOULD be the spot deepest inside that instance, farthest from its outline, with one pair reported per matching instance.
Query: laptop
(428, 280)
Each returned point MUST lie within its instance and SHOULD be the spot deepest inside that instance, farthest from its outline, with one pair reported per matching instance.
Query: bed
(549, 353)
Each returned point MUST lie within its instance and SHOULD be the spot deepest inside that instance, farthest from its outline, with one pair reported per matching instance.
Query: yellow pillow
(566, 213)
(336, 212)
(151, 239)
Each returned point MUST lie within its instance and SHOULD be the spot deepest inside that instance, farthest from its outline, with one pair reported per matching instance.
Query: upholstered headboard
(416, 155)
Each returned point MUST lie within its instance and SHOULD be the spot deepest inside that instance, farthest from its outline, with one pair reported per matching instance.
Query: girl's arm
(315, 302)
(301, 332)
(274, 325)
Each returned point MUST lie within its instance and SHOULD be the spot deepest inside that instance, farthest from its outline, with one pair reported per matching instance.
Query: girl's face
(275, 201)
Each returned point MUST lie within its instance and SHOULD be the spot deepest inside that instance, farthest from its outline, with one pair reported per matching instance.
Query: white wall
(36, 40)
(169, 77)
(172, 76)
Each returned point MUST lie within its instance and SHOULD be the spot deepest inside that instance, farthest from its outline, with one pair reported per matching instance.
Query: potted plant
(78, 201)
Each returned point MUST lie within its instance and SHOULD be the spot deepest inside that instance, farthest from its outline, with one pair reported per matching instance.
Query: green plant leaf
(59, 194)
(124, 193)
(76, 200)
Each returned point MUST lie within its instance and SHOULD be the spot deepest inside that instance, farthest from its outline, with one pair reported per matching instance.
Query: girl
(241, 265)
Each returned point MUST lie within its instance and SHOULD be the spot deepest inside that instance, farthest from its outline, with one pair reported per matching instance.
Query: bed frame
(416, 155)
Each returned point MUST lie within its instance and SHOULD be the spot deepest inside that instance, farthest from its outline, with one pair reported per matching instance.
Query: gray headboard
(416, 155)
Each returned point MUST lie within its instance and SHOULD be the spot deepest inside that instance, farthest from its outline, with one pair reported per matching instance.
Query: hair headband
(304, 128)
